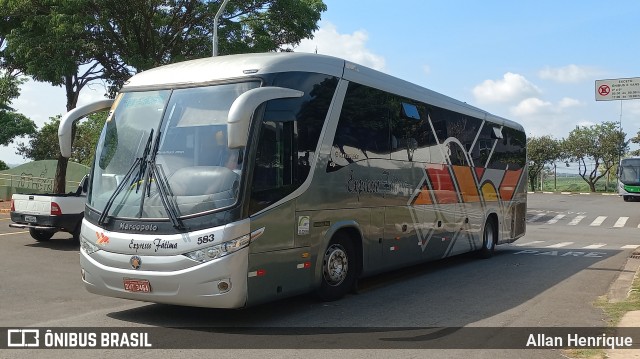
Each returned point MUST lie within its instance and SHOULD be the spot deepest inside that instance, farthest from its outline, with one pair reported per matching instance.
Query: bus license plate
(30, 219)
(137, 285)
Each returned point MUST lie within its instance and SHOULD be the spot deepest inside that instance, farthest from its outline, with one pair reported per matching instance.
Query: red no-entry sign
(618, 89)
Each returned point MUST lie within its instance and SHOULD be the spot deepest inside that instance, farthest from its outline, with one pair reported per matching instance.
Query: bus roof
(212, 69)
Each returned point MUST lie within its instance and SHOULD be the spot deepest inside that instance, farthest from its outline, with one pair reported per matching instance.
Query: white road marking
(576, 220)
(8, 234)
(620, 222)
(527, 243)
(594, 246)
(555, 219)
(630, 246)
(560, 245)
(598, 221)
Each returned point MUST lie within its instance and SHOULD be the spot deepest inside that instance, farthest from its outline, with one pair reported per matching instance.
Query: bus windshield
(164, 153)
(630, 172)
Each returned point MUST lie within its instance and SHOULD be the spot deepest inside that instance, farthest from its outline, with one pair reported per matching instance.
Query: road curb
(619, 291)
(575, 193)
(620, 288)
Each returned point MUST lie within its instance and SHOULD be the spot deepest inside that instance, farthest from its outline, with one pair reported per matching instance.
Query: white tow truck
(46, 214)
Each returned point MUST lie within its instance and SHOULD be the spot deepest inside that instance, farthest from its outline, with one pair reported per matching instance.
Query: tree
(44, 144)
(12, 124)
(3, 166)
(602, 143)
(70, 43)
(144, 34)
(49, 41)
(540, 152)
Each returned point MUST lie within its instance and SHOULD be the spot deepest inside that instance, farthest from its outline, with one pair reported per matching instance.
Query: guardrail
(10, 184)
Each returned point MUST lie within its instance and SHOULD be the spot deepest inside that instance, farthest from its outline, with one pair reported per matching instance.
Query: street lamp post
(215, 27)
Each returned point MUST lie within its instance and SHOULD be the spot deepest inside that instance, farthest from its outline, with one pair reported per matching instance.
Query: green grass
(575, 184)
(614, 311)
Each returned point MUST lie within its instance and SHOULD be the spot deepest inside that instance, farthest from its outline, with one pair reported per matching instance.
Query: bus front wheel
(338, 269)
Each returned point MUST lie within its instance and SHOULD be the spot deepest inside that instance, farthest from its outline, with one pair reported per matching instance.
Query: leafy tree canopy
(541, 151)
(44, 144)
(601, 143)
(12, 124)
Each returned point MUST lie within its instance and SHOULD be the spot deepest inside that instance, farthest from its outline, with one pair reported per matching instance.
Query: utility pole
(215, 27)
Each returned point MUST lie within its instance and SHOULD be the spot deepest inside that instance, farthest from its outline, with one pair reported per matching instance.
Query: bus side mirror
(245, 105)
(69, 118)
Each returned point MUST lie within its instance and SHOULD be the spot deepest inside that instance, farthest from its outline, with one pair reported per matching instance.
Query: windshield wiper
(143, 166)
(118, 189)
(166, 195)
(138, 162)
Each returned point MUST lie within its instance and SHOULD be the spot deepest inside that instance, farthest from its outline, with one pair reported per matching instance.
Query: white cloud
(530, 106)
(568, 74)
(328, 41)
(569, 102)
(511, 88)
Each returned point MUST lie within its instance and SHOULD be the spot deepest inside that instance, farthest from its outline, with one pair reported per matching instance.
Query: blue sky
(534, 62)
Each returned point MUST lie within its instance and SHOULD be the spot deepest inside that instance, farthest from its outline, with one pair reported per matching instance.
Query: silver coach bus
(229, 181)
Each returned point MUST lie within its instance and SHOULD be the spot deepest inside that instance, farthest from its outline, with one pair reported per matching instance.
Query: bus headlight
(87, 246)
(210, 253)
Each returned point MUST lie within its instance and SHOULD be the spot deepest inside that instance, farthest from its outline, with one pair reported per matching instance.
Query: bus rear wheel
(338, 269)
(489, 239)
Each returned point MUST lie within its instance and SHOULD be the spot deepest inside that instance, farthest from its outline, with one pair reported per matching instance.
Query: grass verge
(614, 311)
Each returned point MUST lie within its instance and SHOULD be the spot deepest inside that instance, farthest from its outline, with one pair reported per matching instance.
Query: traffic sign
(618, 89)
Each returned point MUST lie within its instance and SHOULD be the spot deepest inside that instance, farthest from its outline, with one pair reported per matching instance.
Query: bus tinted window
(288, 137)
(363, 129)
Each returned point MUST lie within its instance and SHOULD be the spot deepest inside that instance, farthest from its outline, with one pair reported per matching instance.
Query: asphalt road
(549, 278)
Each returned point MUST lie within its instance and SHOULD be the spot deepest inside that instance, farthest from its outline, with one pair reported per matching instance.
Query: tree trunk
(60, 180)
(592, 186)
(61, 175)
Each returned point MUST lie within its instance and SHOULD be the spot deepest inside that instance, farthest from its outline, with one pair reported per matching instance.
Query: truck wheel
(339, 268)
(489, 239)
(40, 236)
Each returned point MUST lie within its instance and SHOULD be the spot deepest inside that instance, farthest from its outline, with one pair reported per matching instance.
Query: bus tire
(489, 239)
(626, 198)
(40, 236)
(339, 268)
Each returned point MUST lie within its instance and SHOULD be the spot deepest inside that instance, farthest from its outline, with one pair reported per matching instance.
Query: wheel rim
(335, 265)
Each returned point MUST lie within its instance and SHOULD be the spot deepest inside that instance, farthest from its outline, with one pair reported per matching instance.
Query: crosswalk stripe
(620, 222)
(594, 246)
(536, 217)
(565, 244)
(527, 243)
(555, 219)
(598, 221)
(560, 245)
(576, 220)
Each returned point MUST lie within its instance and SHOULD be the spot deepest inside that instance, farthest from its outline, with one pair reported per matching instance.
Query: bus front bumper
(220, 283)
